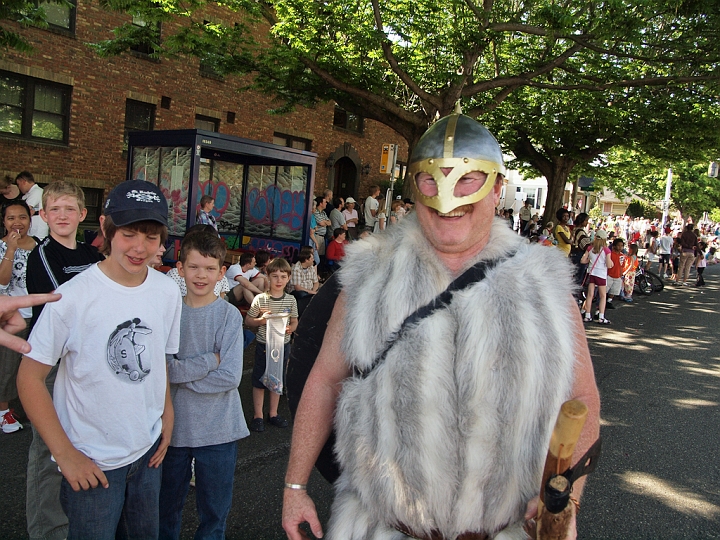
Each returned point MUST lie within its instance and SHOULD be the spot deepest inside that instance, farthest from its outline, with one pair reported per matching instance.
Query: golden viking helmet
(462, 144)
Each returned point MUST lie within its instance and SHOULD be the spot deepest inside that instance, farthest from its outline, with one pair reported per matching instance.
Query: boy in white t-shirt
(246, 281)
(112, 418)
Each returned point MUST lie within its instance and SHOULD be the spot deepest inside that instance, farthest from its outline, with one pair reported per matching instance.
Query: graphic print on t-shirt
(123, 353)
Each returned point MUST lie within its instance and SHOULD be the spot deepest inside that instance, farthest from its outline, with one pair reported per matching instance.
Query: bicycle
(647, 282)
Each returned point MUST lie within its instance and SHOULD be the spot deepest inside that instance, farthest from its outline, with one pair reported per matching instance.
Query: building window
(34, 108)
(139, 116)
(59, 16)
(530, 196)
(347, 120)
(292, 142)
(207, 123)
(145, 49)
(94, 204)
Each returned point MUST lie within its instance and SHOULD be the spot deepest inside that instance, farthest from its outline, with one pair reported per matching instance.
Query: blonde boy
(275, 301)
(57, 259)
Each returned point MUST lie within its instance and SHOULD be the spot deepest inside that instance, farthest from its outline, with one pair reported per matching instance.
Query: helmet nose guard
(458, 142)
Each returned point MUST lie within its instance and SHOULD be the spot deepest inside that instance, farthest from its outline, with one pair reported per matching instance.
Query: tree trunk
(557, 176)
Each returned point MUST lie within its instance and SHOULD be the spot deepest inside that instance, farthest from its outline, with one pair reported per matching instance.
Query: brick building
(65, 112)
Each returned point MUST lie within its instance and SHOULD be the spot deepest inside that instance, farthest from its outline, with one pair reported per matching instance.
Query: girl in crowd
(631, 265)
(597, 257)
(15, 247)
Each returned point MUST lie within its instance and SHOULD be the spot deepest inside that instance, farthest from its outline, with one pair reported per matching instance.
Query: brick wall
(100, 87)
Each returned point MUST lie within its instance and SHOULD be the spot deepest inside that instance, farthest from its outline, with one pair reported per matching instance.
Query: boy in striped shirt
(273, 302)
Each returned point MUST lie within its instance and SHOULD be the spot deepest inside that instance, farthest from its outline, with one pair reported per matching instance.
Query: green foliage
(27, 14)
(715, 215)
(630, 172)
(641, 209)
(595, 213)
(401, 62)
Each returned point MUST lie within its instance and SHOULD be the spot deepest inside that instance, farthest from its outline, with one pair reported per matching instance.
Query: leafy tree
(27, 14)
(405, 62)
(692, 194)
(562, 135)
(595, 213)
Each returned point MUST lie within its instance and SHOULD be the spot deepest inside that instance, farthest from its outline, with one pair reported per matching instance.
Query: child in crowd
(204, 376)
(336, 249)
(112, 418)
(246, 282)
(204, 217)
(275, 301)
(711, 257)
(262, 258)
(631, 265)
(700, 264)
(675, 259)
(598, 259)
(57, 259)
(221, 288)
(304, 281)
(614, 273)
(15, 247)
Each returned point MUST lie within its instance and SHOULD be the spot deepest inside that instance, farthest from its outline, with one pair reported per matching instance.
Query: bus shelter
(263, 192)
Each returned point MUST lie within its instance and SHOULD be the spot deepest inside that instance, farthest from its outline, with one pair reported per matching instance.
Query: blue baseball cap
(136, 200)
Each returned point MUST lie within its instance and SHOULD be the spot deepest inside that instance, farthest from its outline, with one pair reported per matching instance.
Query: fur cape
(451, 431)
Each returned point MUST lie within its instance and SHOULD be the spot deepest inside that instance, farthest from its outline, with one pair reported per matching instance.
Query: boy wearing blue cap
(112, 418)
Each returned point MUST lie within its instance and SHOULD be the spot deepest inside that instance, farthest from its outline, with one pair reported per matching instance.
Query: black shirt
(51, 264)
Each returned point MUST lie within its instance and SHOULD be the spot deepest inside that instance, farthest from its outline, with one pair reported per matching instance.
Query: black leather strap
(472, 275)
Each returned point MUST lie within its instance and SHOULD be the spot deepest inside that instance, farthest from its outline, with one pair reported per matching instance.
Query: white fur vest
(451, 431)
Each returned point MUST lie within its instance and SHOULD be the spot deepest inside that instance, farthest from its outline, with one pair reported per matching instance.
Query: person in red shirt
(614, 280)
(335, 251)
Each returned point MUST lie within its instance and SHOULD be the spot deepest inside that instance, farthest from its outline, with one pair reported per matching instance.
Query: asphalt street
(658, 369)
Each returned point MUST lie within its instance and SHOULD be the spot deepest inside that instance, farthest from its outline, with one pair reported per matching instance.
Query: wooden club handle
(568, 427)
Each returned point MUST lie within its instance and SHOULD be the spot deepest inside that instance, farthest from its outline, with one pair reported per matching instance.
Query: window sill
(59, 30)
(7, 137)
(348, 131)
(213, 76)
(143, 56)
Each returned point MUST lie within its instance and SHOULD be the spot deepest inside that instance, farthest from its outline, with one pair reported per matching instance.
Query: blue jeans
(127, 509)
(214, 474)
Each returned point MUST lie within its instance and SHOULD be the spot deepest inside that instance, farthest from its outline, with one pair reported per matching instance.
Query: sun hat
(349, 200)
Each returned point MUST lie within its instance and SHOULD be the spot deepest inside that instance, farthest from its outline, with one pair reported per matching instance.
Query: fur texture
(451, 431)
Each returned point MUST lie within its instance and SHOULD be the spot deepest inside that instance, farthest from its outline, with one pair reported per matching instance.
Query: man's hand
(299, 508)
(80, 471)
(12, 322)
(531, 513)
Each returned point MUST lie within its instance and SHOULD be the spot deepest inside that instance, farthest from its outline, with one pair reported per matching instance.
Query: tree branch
(523, 78)
(395, 66)
(388, 105)
(634, 83)
(496, 102)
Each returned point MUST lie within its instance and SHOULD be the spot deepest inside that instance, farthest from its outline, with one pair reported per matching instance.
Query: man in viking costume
(450, 350)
